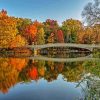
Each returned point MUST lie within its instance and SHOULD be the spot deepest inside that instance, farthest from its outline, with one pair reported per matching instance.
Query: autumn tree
(96, 31)
(50, 26)
(70, 28)
(60, 37)
(40, 35)
(30, 33)
(18, 41)
(86, 35)
(8, 29)
(89, 35)
(22, 24)
(51, 38)
(80, 36)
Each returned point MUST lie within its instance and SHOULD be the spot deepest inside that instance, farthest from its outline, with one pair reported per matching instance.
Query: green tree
(40, 36)
(70, 28)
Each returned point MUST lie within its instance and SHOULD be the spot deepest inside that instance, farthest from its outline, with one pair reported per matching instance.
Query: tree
(18, 41)
(50, 26)
(96, 31)
(91, 13)
(22, 23)
(60, 37)
(70, 28)
(30, 33)
(37, 24)
(80, 36)
(8, 29)
(88, 36)
(40, 36)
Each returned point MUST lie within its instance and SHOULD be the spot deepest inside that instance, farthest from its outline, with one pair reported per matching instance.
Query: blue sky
(41, 10)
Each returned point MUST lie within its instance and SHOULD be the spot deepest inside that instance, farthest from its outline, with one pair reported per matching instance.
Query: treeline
(17, 32)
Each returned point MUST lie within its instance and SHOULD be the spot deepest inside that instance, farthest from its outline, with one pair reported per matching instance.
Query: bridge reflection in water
(64, 59)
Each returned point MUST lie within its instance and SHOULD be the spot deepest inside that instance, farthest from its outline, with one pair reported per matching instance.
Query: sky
(41, 10)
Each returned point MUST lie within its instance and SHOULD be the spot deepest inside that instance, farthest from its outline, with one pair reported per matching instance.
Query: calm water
(31, 79)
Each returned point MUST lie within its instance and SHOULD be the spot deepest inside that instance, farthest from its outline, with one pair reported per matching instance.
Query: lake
(48, 78)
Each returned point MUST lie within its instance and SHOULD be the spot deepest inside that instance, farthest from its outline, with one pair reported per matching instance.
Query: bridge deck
(65, 45)
(83, 46)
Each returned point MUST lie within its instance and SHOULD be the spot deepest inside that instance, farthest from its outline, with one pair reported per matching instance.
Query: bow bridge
(83, 46)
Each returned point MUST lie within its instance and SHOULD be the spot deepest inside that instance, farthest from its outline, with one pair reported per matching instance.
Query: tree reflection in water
(15, 70)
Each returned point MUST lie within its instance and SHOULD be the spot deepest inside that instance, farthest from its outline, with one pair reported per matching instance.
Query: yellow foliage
(17, 63)
(41, 71)
(18, 41)
(8, 30)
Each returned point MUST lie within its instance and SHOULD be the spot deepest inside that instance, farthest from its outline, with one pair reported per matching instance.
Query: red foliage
(33, 73)
(60, 36)
(30, 33)
(18, 63)
(37, 24)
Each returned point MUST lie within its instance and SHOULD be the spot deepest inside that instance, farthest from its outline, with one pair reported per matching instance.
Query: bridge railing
(85, 46)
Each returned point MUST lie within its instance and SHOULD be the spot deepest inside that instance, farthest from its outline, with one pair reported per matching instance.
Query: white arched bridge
(83, 46)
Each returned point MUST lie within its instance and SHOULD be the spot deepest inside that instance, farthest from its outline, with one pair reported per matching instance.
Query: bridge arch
(83, 46)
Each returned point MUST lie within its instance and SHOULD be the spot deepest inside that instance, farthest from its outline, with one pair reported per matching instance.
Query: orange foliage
(8, 75)
(41, 71)
(19, 41)
(18, 63)
(31, 30)
(8, 29)
(80, 36)
(33, 73)
(30, 33)
(37, 24)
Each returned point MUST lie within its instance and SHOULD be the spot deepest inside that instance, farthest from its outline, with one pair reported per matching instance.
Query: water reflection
(64, 52)
(23, 70)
